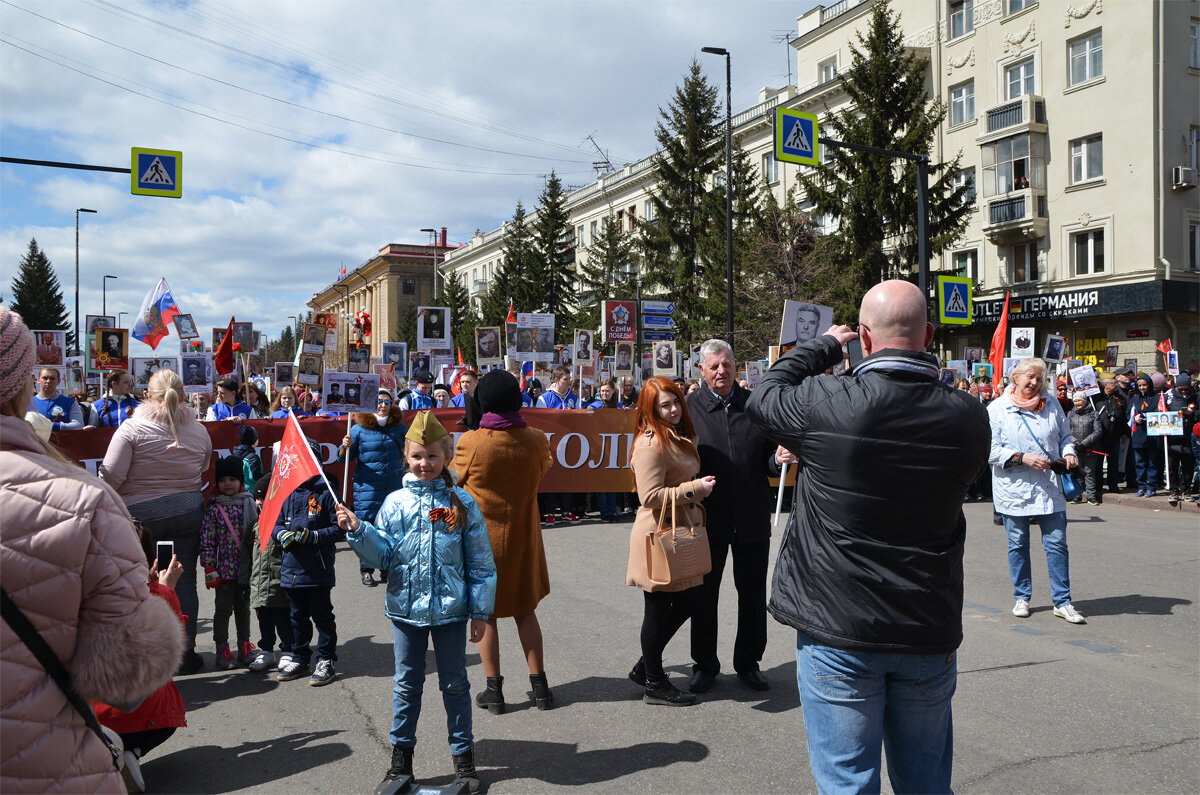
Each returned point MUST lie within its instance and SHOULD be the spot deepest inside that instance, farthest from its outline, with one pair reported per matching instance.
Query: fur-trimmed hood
(395, 417)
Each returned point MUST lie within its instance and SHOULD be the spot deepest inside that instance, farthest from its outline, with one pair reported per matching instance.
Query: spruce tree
(551, 245)
(608, 264)
(462, 314)
(519, 266)
(874, 197)
(406, 325)
(37, 295)
(690, 152)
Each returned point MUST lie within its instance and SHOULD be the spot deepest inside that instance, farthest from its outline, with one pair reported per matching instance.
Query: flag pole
(346, 471)
(779, 494)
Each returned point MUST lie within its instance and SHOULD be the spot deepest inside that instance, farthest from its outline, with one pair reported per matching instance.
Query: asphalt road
(1042, 706)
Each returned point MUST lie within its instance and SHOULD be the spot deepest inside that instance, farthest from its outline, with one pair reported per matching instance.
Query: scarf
(499, 421)
(1033, 404)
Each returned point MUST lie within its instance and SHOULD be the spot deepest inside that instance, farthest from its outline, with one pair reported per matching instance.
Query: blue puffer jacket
(435, 573)
(379, 451)
(307, 530)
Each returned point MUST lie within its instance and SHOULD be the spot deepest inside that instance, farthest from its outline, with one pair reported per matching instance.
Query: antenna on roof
(785, 37)
(603, 165)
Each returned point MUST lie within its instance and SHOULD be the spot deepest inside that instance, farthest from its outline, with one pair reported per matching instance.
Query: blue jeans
(854, 702)
(1147, 461)
(606, 501)
(450, 652)
(1054, 541)
(312, 606)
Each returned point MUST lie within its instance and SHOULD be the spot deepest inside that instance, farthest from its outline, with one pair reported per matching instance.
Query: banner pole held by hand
(346, 470)
(779, 494)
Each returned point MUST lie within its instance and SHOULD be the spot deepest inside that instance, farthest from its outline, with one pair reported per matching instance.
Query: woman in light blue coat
(1031, 439)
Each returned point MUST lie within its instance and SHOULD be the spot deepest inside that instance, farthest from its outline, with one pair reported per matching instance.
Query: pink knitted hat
(16, 354)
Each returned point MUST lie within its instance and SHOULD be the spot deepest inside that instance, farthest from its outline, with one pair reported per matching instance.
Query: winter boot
(492, 699)
(401, 767)
(464, 770)
(663, 693)
(541, 691)
(638, 674)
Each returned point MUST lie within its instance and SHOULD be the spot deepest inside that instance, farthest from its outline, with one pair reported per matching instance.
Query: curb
(1158, 503)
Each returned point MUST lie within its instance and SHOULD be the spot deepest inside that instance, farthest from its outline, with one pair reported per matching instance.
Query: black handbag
(33, 640)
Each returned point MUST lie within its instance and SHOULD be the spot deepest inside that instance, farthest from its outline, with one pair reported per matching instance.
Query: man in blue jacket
(870, 572)
(62, 410)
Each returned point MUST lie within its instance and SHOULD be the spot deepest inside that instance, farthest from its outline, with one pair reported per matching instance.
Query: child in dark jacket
(307, 530)
(267, 598)
(226, 536)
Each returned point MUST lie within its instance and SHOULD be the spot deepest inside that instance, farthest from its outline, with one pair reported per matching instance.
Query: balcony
(478, 287)
(1024, 114)
(1015, 216)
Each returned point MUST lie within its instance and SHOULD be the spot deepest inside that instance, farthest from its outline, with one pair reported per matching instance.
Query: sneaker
(571, 518)
(1093, 502)
(263, 661)
(131, 772)
(225, 659)
(324, 674)
(1173, 499)
(290, 668)
(1069, 613)
(368, 580)
(247, 653)
(1021, 609)
(549, 520)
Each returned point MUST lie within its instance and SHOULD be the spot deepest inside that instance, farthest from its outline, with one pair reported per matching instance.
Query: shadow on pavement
(563, 765)
(213, 768)
(1134, 604)
(208, 686)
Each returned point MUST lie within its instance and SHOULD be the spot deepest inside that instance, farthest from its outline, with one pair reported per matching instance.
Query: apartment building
(1079, 129)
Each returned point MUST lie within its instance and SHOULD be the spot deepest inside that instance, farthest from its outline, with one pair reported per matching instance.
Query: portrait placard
(311, 368)
(395, 354)
(185, 326)
(49, 346)
(112, 349)
(313, 342)
(93, 322)
(433, 327)
(349, 392)
(802, 322)
(487, 345)
(285, 373)
(1053, 352)
(1021, 346)
(664, 358)
(195, 372)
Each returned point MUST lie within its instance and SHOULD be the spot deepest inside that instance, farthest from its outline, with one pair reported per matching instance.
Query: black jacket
(741, 458)
(1113, 411)
(308, 531)
(872, 557)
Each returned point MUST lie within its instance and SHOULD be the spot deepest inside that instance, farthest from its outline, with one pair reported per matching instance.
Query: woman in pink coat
(71, 562)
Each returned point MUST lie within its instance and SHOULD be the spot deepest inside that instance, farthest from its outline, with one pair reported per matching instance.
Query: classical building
(1079, 129)
(400, 274)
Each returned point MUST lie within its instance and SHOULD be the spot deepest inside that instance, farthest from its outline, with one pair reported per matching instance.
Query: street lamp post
(104, 294)
(119, 315)
(728, 188)
(433, 237)
(78, 348)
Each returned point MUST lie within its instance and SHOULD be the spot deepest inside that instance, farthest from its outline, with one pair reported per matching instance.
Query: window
(1194, 49)
(595, 229)
(1019, 5)
(962, 103)
(632, 217)
(580, 242)
(965, 177)
(962, 18)
(1019, 78)
(827, 70)
(1086, 58)
(1087, 159)
(648, 211)
(966, 263)
(620, 220)
(1024, 263)
(1194, 246)
(408, 286)
(1014, 163)
(1087, 249)
(770, 169)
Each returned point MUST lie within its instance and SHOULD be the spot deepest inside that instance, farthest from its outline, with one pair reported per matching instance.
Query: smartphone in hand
(164, 551)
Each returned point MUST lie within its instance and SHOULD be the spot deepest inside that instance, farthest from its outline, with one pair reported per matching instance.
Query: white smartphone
(164, 551)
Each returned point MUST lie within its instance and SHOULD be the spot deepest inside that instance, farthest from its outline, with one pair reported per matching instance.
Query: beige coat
(501, 469)
(144, 462)
(661, 473)
(70, 560)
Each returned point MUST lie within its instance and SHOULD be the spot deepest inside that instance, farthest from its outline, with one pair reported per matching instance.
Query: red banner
(590, 448)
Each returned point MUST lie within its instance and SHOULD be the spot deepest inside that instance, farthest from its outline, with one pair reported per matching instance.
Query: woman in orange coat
(665, 464)
(500, 463)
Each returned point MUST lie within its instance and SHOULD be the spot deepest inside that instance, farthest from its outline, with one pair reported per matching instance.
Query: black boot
(541, 691)
(663, 693)
(401, 767)
(464, 770)
(492, 699)
(638, 674)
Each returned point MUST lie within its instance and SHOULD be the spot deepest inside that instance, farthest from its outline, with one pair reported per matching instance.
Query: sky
(314, 133)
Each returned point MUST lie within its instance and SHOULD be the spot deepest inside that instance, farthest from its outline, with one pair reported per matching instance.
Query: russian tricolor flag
(158, 308)
(526, 372)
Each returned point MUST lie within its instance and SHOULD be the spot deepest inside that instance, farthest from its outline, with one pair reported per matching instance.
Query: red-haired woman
(665, 464)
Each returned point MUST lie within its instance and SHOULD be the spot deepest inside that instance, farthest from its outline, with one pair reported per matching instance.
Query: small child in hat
(431, 541)
(226, 544)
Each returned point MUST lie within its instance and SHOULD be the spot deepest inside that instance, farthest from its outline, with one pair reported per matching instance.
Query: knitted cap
(423, 377)
(247, 435)
(1183, 379)
(498, 392)
(230, 467)
(16, 354)
(1159, 380)
(261, 487)
(425, 429)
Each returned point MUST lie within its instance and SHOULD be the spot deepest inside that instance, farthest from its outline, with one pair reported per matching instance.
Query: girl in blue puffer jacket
(430, 540)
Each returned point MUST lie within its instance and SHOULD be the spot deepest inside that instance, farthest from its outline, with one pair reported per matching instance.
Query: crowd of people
(871, 581)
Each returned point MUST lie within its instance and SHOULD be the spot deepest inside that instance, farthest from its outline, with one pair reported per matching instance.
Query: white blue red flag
(526, 372)
(158, 308)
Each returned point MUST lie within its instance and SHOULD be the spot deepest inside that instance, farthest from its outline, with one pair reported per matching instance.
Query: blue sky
(314, 133)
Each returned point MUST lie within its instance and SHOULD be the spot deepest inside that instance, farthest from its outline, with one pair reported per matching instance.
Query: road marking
(981, 608)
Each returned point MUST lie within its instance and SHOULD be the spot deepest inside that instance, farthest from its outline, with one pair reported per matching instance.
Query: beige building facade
(1078, 124)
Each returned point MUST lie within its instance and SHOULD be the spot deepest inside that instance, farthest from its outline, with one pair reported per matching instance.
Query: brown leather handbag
(676, 553)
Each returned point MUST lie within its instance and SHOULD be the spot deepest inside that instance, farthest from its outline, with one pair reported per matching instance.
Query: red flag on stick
(1165, 347)
(223, 359)
(997, 354)
(460, 358)
(512, 313)
(294, 464)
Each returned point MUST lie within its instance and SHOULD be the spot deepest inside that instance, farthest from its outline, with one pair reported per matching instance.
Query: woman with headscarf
(376, 443)
(156, 462)
(500, 462)
(71, 562)
(1031, 446)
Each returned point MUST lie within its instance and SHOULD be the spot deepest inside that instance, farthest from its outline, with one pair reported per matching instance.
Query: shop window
(1014, 163)
(1024, 263)
(1086, 57)
(1087, 251)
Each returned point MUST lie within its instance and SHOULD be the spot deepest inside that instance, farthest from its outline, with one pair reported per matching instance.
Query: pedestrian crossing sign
(156, 172)
(795, 137)
(954, 300)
